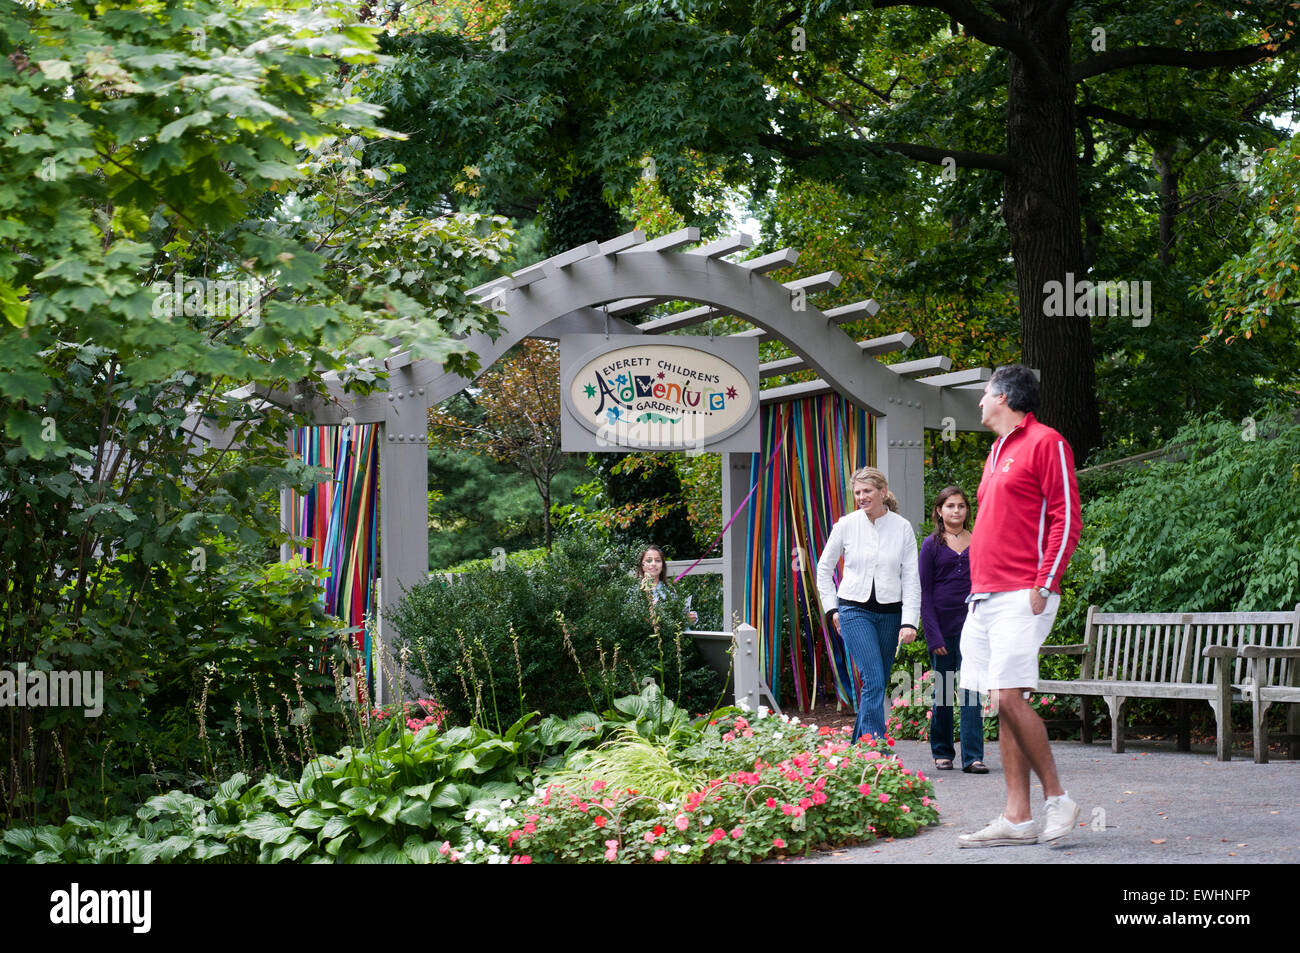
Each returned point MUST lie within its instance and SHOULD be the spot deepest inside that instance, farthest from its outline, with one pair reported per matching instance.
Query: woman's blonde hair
(877, 479)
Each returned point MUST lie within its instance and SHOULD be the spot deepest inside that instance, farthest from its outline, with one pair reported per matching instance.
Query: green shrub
(1210, 529)
(570, 634)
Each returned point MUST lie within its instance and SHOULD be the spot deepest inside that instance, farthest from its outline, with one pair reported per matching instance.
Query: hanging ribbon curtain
(340, 519)
(798, 499)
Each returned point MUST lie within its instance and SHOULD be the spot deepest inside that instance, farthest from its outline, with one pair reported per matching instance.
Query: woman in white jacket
(879, 596)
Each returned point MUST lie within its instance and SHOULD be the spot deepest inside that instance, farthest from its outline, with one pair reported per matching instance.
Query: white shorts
(1000, 641)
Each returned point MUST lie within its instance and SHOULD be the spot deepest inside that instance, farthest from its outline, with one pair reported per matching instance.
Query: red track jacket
(1029, 516)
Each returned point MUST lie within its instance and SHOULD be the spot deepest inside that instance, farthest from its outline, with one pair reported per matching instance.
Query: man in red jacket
(1025, 531)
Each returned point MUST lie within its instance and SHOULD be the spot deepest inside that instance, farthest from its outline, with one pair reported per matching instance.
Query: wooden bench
(1272, 676)
(1185, 656)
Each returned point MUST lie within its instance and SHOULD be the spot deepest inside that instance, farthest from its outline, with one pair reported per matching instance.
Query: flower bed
(782, 788)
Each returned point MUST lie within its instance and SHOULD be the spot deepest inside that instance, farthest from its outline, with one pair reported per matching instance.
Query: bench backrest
(1168, 646)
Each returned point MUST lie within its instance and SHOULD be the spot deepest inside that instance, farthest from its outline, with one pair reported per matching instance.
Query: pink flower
(514, 836)
(884, 799)
(748, 733)
(925, 802)
(445, 849)
(805, 802)
(649, 837)
(681, 822)
(777, 842)
(771, 802)
(906, 809)
(598, 786)
(717, 835)
(819, 797)
(742, 724)
(521, 859)
(729, 736)
(787, 809)
(660, 854)
(864, 789)
(736, 833)
(611, 852)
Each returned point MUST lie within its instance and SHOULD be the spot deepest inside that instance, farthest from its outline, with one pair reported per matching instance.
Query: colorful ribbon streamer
(340, 519)
(798, 500)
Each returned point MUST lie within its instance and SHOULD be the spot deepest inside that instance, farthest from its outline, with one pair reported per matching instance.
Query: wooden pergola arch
(587, 290)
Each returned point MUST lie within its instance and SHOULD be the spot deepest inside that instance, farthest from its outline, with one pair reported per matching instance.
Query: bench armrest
(1220, 652)
(1269, 651)
(1077, 648)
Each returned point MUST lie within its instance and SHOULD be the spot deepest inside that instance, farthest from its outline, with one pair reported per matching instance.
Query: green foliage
(573, 632)
(390, 801)
(209, 149)
(1208, 529)
(1262, 284)
(477, 504)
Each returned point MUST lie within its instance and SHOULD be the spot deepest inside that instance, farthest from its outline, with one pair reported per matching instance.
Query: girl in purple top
(945, 584)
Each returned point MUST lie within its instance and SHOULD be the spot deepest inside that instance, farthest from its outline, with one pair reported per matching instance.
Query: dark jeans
(972, 725)
(872, 639)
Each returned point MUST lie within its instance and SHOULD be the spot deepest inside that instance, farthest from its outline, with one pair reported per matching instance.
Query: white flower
(478, 845)
(834, 760)
(491, 827)
(763, 712)
(683, 848)
(507, 804)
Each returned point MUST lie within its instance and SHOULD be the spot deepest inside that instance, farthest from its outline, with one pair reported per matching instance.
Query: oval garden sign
(659, 396)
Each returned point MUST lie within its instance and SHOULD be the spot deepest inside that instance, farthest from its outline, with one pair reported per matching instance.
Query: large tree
(1029, 94)
(1026, 89)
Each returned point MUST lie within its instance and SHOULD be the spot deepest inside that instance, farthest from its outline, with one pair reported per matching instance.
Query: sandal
(943, 764)
(976, 767)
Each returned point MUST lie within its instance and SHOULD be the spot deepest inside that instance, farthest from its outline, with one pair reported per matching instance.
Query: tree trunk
(546, 512)
(1042, 212)
(1164, 158)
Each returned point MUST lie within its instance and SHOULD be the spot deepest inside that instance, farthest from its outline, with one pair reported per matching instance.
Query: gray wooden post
(403, 514)
(735, 485)
(900, 452)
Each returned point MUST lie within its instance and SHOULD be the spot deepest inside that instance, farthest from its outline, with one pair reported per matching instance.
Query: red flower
(777, 842)
(599, 820)
(659, 829)
(521, 859)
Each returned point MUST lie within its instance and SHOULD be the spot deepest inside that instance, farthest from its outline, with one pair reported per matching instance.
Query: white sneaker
(1061, 813)
(1000, 833)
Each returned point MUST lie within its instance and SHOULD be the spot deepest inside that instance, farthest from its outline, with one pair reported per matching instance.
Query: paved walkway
(1150, 805)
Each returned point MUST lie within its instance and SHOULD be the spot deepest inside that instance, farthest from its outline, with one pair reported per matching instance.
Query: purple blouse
(945, 584)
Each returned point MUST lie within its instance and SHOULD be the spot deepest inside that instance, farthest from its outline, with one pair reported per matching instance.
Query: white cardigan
(883, 553)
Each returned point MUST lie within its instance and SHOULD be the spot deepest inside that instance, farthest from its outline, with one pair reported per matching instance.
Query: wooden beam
(724, 246)
(669, 242)
(624, 241)
(784, 258)
(813, 283)
(840, 315)
(794, 391)
(972, 375)
(922, 366)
